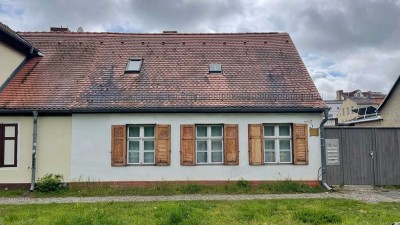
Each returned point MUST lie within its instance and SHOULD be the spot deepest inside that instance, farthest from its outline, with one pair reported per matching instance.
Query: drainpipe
(323, 151)
(35, 118)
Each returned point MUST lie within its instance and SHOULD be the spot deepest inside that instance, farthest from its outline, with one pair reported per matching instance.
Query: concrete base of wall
(312, 183)
(8, 186)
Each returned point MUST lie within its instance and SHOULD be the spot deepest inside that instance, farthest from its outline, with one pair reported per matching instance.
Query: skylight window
(134, 65)
(215, 68)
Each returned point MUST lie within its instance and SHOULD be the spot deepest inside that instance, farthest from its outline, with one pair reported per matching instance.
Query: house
(341, 95)
(387, 114)
(334, 106)
(357, 105)
(123, 107)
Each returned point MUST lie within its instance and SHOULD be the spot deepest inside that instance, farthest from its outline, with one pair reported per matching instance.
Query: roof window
(134, 65)
(215, 68)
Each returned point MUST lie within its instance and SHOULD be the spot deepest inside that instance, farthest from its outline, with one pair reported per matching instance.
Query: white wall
(91, 146)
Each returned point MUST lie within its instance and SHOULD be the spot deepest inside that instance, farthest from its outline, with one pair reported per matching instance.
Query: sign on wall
(332, 151)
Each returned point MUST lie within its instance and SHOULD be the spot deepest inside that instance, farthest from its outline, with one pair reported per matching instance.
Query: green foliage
(191, 189)
(242, 183)
(49, 183)
(318, 217)
(280, 212)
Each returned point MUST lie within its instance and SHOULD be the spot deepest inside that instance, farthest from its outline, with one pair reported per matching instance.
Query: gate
(367, 156)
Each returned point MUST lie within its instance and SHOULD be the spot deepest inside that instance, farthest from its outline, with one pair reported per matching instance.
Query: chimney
(339, 94)
(59, 29)
(170, 32)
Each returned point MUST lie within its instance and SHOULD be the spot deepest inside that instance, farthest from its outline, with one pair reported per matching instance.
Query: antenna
(80, 29)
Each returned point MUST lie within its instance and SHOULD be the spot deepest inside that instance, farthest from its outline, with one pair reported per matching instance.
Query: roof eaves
(19, 43)
(389, 94)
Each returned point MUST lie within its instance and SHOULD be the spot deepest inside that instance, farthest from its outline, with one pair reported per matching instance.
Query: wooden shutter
(118, 145)
(163, 145)
(187, 145)
(256, 153)
(300, 144)
(231, 144)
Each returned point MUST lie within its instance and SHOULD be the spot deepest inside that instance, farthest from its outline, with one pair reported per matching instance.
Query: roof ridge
(166, 34)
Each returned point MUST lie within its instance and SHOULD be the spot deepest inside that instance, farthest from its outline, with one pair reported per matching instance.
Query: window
(141, 144)
(134, 65)
(8, 145)
(277, 143)
(215, 68)
(209, 144)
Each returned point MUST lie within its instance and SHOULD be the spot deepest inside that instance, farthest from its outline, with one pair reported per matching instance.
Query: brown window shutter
(231, 144)
(118, 145)
(300, 144)
(256, 152)
(187, 145)
(163, 145)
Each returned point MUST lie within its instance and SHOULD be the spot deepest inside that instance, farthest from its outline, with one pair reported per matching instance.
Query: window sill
(140, 164)
(277, 164)
(211, 164)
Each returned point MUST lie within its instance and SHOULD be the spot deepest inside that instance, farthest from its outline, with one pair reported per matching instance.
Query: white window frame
(141, 140)
(209, 140)
(276, 138)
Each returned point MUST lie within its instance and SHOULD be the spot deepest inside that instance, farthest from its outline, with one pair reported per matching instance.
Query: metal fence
(367, 156)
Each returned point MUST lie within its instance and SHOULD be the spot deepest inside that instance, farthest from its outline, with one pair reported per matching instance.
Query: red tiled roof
(85, 72)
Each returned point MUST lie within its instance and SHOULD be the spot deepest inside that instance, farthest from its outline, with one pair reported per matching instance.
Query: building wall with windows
(91, 154)
(53, 148)
(345, 110)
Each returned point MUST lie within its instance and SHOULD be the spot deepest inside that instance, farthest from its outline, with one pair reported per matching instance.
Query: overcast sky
(345, 44)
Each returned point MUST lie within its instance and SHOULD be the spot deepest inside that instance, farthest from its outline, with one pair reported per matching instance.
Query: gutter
(33, 178)
(323, 151)
(161, 110)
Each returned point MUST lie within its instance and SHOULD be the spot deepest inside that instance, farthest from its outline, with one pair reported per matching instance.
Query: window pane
(284, 144)
(269, 131)
(134, 65)
(134, 131)
(216, 157)
(9, 131)
(133, 145)
(149, 131)
(148, 145)
(269, 144)
(133, 157)
(201, 145)
(201, 157)
(149, 157)
(269, 157)
(9, 150)
(216, 145)
(284, 130)
(216, 131)
(284, 156)
(201, 131)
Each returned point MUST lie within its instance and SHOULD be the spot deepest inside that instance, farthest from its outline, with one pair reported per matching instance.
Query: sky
(345, 45)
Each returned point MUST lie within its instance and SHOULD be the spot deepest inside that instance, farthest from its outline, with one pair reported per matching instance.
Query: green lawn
(288, 211)
(240, 187)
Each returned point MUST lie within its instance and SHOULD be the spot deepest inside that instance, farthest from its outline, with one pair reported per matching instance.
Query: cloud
(344, 44)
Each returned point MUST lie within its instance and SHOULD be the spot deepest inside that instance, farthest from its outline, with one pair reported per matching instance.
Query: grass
(285, 211)
(240, 187)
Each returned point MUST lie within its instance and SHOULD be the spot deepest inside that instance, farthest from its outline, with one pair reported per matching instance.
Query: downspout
(323, 151)
(35, 119)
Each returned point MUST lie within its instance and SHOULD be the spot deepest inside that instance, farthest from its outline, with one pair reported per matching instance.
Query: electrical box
(332, 151)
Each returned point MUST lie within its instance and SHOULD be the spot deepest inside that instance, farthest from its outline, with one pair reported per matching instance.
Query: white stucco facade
(91, 149)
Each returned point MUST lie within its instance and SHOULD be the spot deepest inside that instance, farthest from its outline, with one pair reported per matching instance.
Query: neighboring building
(162, 107)
(334, 106)
(388, 113)
(353, 108)
(340, 95)
(14, 51)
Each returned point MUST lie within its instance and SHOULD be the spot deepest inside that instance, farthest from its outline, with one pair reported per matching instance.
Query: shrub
(243, 183)
(49, 182)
